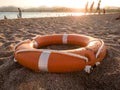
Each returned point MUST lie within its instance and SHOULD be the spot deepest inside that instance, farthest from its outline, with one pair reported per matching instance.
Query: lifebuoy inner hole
(60, 47)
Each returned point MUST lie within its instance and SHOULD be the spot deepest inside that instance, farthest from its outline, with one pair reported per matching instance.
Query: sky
(51, 3)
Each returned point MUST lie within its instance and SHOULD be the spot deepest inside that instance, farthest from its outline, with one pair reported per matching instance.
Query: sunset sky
(51, 3)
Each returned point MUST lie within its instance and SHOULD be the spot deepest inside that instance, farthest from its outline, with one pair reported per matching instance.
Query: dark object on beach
(5, 17)
(91, 7)
(118, 18)
(20, 13)
(98, 7)
(104, 11)
(86, 8)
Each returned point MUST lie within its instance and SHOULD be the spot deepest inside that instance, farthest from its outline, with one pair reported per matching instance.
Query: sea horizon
(13, 15)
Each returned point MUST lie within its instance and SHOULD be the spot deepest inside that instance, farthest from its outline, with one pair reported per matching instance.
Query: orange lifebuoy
(91, 52)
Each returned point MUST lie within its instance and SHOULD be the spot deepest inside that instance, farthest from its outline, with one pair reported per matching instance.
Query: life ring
(90, 53)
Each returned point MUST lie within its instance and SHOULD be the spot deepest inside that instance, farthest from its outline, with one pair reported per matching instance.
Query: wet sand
(104, 77)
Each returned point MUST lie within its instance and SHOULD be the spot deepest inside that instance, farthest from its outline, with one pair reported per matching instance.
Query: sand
(104, 77)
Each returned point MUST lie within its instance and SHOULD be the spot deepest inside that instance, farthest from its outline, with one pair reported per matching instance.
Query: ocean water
(13, 15)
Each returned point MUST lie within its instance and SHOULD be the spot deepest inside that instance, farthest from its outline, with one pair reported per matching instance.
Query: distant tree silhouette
(86, 7)
(98, 7)
(20, 13)
(91, 7)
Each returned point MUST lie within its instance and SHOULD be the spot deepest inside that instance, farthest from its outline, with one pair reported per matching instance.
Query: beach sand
(104, 77)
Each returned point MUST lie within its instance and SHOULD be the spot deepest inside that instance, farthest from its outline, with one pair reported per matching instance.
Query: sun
(76, 4)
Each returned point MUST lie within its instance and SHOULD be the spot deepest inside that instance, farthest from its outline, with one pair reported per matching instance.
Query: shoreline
(13, 15)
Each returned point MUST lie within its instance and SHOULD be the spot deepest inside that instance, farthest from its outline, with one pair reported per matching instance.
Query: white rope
(88, 68)
(15, 60)
(97, 63)
(75, 55)
(35, 44)
(100, 49)
(25, 41)
(36, 37)
(66, 53)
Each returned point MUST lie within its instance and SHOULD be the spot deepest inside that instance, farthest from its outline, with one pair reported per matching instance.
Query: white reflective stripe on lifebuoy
(64, 39)
(43, 61)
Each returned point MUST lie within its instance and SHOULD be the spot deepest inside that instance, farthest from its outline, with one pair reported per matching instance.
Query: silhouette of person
(104, 11)
(98, 7)
(5, 17)
(86, 7)
(20, 13)
(91, 7)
